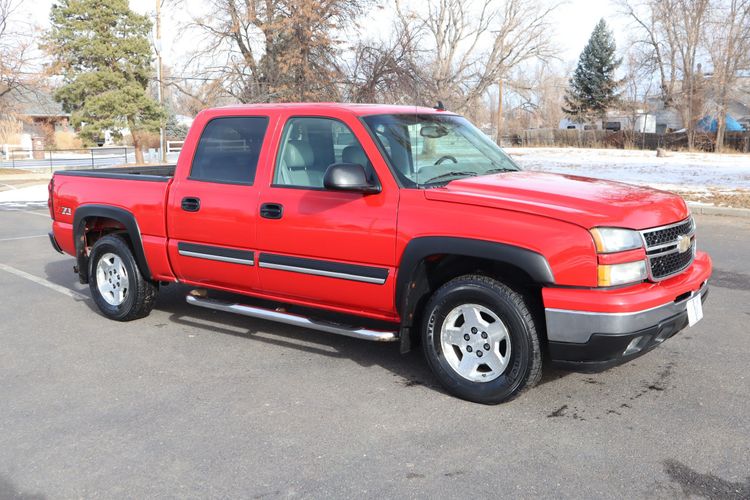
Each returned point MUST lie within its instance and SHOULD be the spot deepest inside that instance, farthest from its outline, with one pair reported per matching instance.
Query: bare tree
(271, 50)
(654, 46)
(17, 40)
(478, 43)
(534, 97)
(672, 33)
(388, 70)
(194, 95)
(728, 42)
(16, 44)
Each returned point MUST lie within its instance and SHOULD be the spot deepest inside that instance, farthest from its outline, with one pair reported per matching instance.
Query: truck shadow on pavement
(694, 483)
(10, 491)
(411, 368)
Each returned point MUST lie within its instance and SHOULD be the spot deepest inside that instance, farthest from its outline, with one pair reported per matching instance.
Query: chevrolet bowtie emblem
(683, 243)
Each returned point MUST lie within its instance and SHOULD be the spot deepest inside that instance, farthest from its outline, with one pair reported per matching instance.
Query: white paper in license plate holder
(694, 310)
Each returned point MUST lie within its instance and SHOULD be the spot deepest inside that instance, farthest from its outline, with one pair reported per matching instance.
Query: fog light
(633, 346)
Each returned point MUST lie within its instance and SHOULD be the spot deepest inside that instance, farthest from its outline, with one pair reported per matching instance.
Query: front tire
(481, 341)
(119, 289)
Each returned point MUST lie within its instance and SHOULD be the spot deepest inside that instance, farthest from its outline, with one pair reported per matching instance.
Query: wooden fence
(733, 141)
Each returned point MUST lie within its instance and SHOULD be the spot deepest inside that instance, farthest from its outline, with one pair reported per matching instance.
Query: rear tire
(480, 340)
(117, 285)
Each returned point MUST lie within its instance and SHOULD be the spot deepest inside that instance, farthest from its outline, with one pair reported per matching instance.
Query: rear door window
(229, 149)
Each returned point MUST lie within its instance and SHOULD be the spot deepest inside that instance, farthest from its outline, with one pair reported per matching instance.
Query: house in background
(39, 115)
(616, 120)
(669, 118)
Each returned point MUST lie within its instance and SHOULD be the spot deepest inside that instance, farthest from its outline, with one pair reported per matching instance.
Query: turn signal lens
(50, 197)
(621, 274)
(613, 239)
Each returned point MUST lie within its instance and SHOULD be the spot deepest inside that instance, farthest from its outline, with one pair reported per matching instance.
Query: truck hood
(580, 200)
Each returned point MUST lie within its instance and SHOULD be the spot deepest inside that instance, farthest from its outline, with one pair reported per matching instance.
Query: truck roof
(356, 109)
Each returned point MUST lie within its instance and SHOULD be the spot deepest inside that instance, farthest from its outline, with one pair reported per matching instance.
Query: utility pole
(499, 110)
(160, 83)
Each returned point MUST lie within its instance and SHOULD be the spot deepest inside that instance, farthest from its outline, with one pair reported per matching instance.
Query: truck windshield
(428, 150)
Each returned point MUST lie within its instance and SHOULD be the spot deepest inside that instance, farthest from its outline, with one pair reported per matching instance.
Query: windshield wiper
(498, 170)
(448, 175)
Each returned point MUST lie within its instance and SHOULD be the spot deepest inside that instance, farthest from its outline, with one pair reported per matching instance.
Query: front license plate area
(694, 310)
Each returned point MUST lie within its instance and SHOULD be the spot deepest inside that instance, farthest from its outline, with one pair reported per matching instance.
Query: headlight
(621, 274)
(612, 239)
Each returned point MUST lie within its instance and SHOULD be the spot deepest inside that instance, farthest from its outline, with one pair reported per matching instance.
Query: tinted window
(310, 145)
(228, 150)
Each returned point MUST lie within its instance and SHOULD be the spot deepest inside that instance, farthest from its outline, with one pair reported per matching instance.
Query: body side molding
(341, 270)
(221, 254)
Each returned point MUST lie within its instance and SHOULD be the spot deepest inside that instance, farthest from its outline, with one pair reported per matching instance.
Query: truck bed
(140, 191)
(158, 173)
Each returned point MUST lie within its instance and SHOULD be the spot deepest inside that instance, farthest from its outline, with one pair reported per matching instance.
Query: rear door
(323, 246)
(213, 206)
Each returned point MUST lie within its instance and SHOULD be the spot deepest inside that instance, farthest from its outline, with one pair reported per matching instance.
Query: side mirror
(348, 177)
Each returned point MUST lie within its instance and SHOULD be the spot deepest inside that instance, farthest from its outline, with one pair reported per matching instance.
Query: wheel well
(95, 228)
(92, 228)
(436, 270)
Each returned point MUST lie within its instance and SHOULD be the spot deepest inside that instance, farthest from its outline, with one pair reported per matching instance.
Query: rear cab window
(229, 149)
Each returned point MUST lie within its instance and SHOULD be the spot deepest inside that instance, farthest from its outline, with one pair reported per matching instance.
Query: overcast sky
(574, 21)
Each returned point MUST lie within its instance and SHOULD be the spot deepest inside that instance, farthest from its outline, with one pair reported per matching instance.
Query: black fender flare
(411, 282)
(127, 219)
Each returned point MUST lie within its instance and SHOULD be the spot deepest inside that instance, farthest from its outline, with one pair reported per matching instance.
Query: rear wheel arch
(429, 262)
(91, 222)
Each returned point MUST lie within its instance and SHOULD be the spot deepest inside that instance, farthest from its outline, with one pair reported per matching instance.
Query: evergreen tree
(102, 49)
(593, 88)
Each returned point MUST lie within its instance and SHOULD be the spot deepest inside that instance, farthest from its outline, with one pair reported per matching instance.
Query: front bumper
(625, 323)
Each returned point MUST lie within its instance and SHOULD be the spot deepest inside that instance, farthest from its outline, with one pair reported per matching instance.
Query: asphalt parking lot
(193, 403)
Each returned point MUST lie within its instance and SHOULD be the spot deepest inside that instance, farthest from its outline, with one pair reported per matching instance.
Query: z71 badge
(66, 211)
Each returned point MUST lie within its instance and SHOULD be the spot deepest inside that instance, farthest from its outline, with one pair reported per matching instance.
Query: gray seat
(296, 165)
(355, 154)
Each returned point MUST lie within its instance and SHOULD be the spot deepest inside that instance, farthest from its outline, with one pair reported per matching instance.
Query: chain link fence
(59, 159)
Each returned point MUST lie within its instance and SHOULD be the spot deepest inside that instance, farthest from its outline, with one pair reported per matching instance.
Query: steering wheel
(445, 157)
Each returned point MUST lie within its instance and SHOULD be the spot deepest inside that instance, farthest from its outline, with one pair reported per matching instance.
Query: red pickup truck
(390, 223)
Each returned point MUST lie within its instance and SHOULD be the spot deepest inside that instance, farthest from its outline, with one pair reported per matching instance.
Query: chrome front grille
(666, 251)
(667, 234)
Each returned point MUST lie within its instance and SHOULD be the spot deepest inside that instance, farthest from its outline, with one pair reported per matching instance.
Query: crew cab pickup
(390, 223)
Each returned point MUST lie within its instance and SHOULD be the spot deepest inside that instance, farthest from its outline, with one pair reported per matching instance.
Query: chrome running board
(292, 319)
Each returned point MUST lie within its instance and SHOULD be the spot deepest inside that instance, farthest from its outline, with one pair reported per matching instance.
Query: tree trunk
(136, 142)
(721, 126)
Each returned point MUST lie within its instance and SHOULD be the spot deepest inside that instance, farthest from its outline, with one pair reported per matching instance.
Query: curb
(697, 208)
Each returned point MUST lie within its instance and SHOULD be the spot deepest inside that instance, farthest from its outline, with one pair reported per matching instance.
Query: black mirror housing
(348, 177)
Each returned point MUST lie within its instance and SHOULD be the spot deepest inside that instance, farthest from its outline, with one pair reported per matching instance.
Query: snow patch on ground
(695, 172)
(31, 193)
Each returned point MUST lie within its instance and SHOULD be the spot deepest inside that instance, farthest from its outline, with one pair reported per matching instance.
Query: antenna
(440, 106)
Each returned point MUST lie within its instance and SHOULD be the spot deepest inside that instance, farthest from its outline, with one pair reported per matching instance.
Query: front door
(325, 246)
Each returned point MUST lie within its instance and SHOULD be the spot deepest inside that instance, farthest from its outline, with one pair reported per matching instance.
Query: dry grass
(14, 171)
(735, 199)
(67, 140)
(10, 131)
